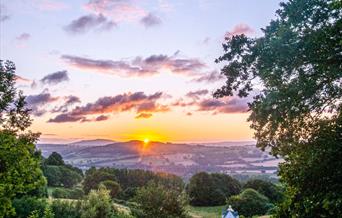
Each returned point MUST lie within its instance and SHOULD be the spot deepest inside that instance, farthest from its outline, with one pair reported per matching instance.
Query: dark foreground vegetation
(297, 115)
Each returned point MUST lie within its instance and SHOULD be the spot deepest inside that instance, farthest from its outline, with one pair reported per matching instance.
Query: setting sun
(146, 140)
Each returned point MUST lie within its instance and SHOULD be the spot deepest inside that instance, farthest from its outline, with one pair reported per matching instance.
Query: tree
(93, 177)
(250, 203)
(297, 62)
(97, 204)
(54, 159)
(295, 72)
(66, 209)
(27, 205)
(20, 170)
(156, 201)
(60, 174)
(113, 187)
(266, 188)
(211, 189)
(313, 176)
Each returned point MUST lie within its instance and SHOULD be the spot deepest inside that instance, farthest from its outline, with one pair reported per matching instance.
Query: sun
(146, 140)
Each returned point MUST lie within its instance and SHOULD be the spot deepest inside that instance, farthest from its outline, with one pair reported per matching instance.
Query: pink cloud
(240, 29)
(138, 66)
(118, 10)
(50, 5)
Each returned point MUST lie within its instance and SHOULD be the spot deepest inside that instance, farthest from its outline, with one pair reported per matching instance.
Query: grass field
(206, 212)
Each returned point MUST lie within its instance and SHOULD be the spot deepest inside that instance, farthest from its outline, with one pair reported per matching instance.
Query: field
(206, 212)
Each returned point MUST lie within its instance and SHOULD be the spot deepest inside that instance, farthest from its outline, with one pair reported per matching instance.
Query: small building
(230, 213)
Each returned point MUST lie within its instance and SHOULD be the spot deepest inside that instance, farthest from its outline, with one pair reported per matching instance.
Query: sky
(129, 69)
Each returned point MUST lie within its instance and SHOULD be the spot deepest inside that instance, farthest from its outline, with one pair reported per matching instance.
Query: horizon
(72, 141)
(91, 83)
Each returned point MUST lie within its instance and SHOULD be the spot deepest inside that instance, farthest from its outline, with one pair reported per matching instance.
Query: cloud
(138, 102)
(85, 23)
(150, 20)
(139, 66)
(197, 94)
(210, 77)
(199, 101)
(116, 10)
(62, 118)
(71, 99)
(49, 5)
(206, 41)
(22, 79)
(68, 101)
(37, 102)
(23, 37)
(101, 118)
(55, 78)
(143, 116)
(227, 105)
(240, 29)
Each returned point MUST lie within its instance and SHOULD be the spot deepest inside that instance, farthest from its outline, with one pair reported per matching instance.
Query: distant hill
(94, 142)
(178, 158)
(228, 143)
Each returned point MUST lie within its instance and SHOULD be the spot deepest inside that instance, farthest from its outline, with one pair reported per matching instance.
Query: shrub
(26, 205)
(113, 187)
(211, 189)
(75, 193)
(266, 188)
(156, 201)
(66, 209)
(249, 203)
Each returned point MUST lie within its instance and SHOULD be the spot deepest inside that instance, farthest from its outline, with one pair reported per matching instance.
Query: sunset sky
(129, 69)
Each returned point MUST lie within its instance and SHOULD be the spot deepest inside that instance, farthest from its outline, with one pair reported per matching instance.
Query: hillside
(181, 159)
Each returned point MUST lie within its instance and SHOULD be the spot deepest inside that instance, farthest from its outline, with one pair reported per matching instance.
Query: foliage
(54, 159)
(98, 204)
(93, 177)
(129, 180)
(297, 67)
(298, 62)
(156, 201)
(113, 187)
(250, 203)
(313, 175)
(211, 189)
(74, 193)
(266, 188)
(60, 174)
(27, 205)
(66, 209)
(19, 161)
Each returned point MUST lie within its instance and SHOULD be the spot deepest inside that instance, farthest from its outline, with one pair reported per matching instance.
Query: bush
(75, 193)
(157, 201)
(66, 209)
(266, 188)
(26, 205)
(211, 189)
(113, 187)
(250, 203)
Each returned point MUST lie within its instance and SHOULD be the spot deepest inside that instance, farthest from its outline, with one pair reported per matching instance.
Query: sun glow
(146, 140)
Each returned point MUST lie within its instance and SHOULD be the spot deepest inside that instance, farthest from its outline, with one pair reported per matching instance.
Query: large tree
(294, 71)
(19, 160)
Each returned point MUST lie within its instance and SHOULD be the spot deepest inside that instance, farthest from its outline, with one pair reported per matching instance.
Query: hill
(178, 158)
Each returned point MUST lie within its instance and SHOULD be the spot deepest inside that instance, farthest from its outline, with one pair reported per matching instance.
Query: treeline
(142, 193)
